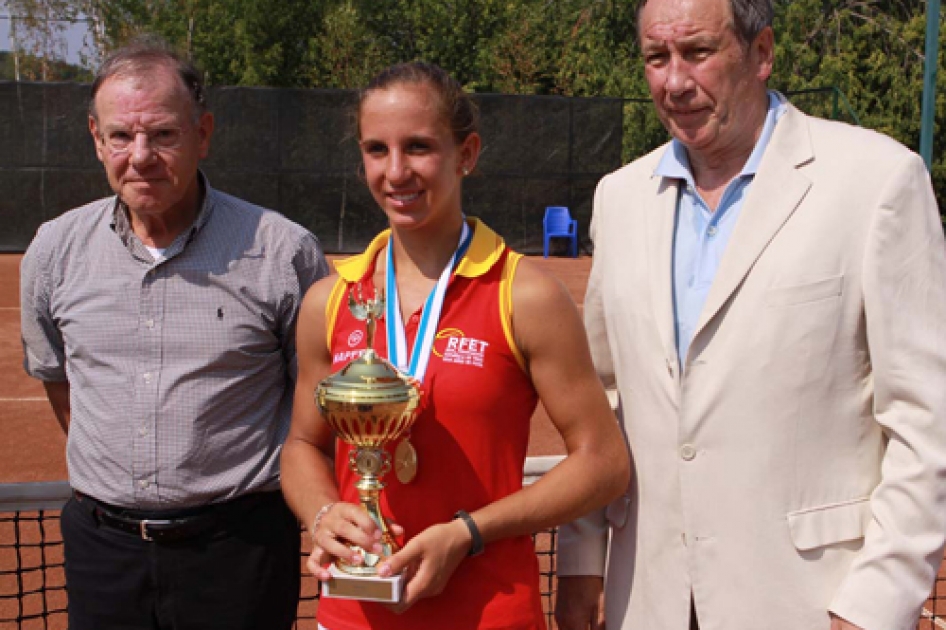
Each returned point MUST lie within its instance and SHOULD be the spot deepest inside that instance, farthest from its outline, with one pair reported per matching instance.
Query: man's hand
(840, 624)
(579, 604)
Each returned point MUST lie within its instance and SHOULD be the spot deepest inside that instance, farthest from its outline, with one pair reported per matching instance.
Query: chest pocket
(804, 293)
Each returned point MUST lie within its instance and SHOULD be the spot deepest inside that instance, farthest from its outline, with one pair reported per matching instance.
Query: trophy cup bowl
(368, 403)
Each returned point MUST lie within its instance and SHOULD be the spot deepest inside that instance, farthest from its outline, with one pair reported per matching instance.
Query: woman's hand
(341, 527)
(428, 561)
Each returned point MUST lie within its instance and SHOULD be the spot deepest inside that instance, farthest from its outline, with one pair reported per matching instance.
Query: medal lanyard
(416, 364)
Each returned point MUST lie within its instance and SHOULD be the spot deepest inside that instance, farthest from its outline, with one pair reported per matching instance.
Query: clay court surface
(32, 447)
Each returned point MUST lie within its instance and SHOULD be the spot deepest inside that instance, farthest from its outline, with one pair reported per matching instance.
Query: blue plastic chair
(558, 223)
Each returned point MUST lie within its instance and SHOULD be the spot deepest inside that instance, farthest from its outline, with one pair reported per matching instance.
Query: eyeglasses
(120, 141)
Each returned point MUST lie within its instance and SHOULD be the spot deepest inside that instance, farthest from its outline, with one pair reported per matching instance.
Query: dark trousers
(240, 575)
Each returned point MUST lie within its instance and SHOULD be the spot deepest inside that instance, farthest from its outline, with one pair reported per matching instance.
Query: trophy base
(370, 588)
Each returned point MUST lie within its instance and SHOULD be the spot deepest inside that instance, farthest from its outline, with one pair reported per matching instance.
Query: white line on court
(25, 399)
(936, 621)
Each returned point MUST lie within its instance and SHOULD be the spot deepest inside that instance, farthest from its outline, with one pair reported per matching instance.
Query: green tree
(516, 59)
(236, 42)
(345, 53)
(873, 52)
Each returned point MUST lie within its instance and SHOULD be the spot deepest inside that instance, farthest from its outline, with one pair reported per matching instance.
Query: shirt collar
(675, 163)
(484, 251)
(121, 222)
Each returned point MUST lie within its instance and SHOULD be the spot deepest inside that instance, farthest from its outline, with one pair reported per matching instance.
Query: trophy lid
(369, 379)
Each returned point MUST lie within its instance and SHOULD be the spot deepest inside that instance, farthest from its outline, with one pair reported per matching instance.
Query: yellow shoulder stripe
(331, 309)
(505, 305)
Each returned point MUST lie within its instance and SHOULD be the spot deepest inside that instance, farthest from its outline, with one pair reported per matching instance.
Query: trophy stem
(366, 462)
(369, 492)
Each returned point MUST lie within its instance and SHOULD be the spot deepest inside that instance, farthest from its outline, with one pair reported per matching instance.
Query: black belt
(175, 525)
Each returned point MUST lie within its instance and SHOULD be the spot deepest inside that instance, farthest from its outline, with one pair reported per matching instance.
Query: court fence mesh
(33, 590)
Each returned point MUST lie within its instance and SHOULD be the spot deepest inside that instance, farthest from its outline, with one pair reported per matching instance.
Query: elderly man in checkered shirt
(161, 321)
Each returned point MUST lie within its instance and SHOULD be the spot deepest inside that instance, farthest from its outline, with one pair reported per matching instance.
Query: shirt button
(688, 452)
(712, 230)
(142, 431)
(147, 377)
(149, 323)
(143, 484)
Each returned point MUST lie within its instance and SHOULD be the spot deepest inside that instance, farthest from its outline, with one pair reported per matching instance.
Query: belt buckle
(143, 528)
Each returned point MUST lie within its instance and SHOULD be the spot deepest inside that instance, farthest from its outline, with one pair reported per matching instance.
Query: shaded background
(294, 150)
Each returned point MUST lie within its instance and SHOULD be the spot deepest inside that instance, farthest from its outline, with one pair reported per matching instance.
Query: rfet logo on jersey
(453, 346)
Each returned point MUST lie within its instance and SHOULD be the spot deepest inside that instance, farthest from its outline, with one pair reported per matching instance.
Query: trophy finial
(368, 310)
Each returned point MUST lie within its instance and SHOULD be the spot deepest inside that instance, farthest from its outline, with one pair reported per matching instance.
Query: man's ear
(763, 53)
(94, 130)
(205, 129)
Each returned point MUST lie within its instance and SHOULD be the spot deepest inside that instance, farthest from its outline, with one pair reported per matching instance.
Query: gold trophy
(368, 403)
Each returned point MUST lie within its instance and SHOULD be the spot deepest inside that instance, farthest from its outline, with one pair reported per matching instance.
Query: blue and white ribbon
(415, 364)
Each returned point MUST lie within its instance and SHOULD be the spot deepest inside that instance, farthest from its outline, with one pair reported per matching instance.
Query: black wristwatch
(476, 546)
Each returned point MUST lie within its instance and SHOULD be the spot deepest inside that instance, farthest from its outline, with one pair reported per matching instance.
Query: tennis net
(32, 577)
(33, 585)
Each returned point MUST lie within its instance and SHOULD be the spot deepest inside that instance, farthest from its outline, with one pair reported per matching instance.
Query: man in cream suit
(768, 298)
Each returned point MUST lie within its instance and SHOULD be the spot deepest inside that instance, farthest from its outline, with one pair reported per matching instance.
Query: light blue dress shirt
(701, 235)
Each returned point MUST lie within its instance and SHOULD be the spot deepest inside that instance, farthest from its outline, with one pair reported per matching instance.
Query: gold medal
(405, 461)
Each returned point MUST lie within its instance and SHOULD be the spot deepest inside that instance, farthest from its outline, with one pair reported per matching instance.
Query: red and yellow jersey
(471, 440)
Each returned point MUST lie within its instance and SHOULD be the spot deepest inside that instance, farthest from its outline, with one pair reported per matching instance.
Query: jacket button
(687, 452)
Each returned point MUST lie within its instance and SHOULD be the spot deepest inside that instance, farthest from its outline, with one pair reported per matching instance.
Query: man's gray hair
(750, 17)
(139, 57)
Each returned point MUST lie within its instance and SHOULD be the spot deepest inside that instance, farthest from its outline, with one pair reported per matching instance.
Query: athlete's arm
(307, 468)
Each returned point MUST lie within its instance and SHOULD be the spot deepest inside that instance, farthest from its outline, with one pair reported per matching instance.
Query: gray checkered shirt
(181, 372)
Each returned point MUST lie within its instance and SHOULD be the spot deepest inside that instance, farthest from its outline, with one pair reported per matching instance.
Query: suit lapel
(775, 193)
(660, 221)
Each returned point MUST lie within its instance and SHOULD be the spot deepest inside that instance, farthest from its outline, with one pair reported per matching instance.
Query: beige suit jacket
(797, 462)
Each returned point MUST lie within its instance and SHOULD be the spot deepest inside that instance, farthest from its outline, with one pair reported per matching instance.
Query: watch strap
(476, 546)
